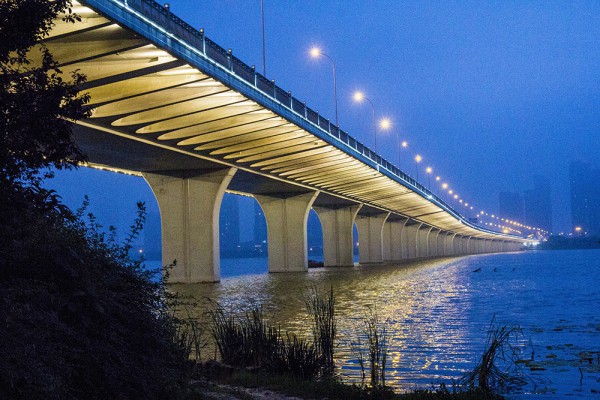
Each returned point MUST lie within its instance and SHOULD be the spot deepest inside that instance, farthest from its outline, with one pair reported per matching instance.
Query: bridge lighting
(385, 124)
(418, 159)
(437, 178)
(429, 170)
(450, 191)
(444, 186)
(359, 97)
(316, 52)
(456, 196)
(405, 144)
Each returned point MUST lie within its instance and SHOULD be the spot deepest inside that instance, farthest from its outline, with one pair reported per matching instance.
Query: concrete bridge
(195, 122)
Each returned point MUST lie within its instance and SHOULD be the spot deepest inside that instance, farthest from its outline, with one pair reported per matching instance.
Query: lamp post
(315, 52)
(429, 170)
(402, 145)
(262, 20)
(359, 97)
(418, 159)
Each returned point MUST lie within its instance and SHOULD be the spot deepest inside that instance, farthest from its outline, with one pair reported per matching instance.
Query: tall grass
(321, 307)
(498, 370)
(250, 341)
(373, 349)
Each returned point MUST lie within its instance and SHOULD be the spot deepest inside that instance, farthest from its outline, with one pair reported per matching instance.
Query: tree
(37, 105)
(79, 319)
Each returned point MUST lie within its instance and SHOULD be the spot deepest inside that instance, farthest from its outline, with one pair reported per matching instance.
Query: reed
(497, 369)
(250, 341)
(321, 307)
(374, 349)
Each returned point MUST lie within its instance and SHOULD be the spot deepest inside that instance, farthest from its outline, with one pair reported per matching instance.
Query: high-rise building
(260, 225)
(229, 222)
(585, 197)
(511, 206)
(538, 204)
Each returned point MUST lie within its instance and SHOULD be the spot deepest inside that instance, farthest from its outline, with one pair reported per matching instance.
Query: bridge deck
(153, 81)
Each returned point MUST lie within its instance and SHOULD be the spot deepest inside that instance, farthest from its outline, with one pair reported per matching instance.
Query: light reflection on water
(438, 311)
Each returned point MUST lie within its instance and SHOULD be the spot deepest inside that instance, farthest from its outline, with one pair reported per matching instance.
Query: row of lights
(385, 124)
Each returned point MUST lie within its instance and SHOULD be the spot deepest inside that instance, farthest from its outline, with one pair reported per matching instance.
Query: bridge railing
(162, 16)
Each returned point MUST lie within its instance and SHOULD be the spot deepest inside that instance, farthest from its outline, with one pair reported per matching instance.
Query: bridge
(195, 121)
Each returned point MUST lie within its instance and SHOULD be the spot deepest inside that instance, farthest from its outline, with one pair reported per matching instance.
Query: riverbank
(259, 386)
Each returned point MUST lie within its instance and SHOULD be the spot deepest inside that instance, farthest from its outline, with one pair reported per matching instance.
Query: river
(438, 313)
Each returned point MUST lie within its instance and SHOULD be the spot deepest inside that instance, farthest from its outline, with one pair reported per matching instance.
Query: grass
(250, 341)
(498, 369)
(321, 307)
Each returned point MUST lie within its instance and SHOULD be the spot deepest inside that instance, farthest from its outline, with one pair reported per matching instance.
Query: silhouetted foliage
(79, 319)
(37, 104)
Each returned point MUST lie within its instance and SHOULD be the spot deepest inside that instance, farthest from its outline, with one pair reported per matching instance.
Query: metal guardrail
(176, 26)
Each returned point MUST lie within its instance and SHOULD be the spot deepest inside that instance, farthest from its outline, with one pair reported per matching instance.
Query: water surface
(438, 312)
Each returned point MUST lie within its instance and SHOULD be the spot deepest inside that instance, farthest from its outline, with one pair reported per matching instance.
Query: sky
(489, 93)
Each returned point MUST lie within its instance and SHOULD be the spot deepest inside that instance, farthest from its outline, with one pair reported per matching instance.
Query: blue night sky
(489, 93)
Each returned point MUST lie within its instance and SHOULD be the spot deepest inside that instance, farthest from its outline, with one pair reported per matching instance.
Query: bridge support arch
(337, 225)
(393, 232)
(286, 230)
(370, 237)
(422, 243)
(189, 204)
(449, 244)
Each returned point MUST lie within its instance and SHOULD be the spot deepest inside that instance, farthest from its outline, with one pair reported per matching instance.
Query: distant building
(585, 198)
(538, 204)
(229, 224)
(511, 206)
(260, 225)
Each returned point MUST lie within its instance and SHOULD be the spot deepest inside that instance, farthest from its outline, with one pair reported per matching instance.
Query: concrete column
(449, 244)
(456, 248)
(464, 244)
(441, 243)
(189, 209)
(286, 230)
(410, 234)
(370, 237)
(432, 250)
(422, 245)
(392, 240)
(470, 248)
(337, 227)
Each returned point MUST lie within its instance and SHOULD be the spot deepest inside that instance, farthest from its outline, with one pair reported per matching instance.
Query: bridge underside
(195, 129)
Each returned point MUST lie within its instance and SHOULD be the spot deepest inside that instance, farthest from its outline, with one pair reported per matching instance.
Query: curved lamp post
(315, 52)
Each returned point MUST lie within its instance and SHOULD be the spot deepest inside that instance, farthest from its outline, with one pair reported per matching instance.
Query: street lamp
(359, 97)
(315, 52)
(403, 144)
(418, 159)
(429, 170)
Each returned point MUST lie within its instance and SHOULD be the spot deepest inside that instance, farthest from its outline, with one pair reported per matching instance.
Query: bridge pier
(422, 245)
(393, 232)
(286, 230)
(337, 225)
(189, 208)
(448, 244)
(370, 237)
(411, 232)
(432, 242)
(439, 243)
